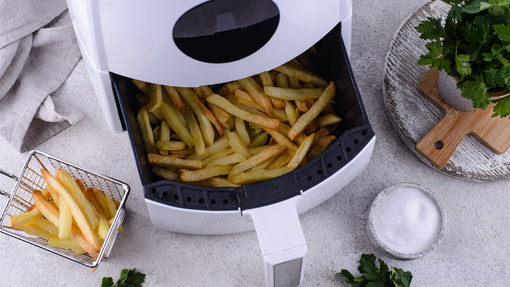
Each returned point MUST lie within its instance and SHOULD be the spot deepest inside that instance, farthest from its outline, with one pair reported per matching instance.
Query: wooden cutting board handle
(442, 141)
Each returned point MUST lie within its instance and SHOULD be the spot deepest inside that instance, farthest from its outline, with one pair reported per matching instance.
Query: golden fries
(301, 74)
(146, 130)
(205, 173)
(176, 124)
(172, 162)
(261, 125)
(258, 175)
(226, 105)
(176, 98)
(257, 94)
(81, 220)
(318, 106)
(293, 94)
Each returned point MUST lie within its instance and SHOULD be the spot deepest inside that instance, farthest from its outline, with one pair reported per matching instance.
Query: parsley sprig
(373, 276)
(128, 278)
(473, 45)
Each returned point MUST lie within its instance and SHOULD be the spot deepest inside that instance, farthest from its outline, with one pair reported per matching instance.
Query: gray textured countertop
(474, 251)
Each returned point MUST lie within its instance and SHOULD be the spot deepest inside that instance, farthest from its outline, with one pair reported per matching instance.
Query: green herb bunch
(474, 46)
(371, 276)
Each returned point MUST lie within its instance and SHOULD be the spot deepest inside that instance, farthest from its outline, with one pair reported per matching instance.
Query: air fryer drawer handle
(281, 240)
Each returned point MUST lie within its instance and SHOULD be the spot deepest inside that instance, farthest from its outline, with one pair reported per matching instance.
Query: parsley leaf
(503, 32)
(128, 278)
(430, 29)
(502, 108)
(476, 91)
(372, 276)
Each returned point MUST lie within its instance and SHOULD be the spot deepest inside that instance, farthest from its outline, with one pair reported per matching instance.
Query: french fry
(256, 160)
(99, 195)
(290, 94)
(66, 244)
(112, 210)
(301, 105)
(146, 130)
(237, 144)
(196, 133)
(311, 127)
(291, 113)
(35, 231)
(103, 227)
(172, 162)
(205, 125)
(258, 140)
(280, 161)
(301, 152)
(79, 182)
(218, 145)
(257, 94)
(209, 115)
(22, 218)
(245, 102)
(171, 146)
(220, 154)
(165, 173)
(322, 132)
(241, 131)
(77, 195)
(301, 74)
(156, 97)
(142, 86)
(282, 140)
(78, 215)
(321, 146)
(318, 106)
(46, 193)
(267, 81)
(52, 214)
(45, 225)
(184, 152)
(284, 130)
(176, 98)
(265, 163)
(328, 120)
(253, 176)
(66, 220)
(226, 105)
(164, 136)
(219, 113)
(228, 160)
(89, 194)
(205, 173)
(176, 124)
(282, 80)
(232, 86)
(216, 181)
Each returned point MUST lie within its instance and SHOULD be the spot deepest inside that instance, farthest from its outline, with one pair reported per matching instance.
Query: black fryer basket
(353, 134)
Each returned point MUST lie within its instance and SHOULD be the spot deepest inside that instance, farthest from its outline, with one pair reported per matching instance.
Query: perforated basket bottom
(30, 179)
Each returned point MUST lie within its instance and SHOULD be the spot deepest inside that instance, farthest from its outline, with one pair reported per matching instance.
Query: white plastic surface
(281, 240)
(223, 222)
(134, 39)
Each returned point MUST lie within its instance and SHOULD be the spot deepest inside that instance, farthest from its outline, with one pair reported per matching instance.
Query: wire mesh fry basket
(30, 179)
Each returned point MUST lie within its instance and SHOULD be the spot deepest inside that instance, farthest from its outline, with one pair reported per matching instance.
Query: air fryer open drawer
(353, 134)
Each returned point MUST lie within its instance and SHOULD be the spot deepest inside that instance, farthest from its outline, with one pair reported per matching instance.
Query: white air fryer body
(134, 39)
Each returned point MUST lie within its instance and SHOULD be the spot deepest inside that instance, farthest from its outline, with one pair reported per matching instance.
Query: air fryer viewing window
(221, 31)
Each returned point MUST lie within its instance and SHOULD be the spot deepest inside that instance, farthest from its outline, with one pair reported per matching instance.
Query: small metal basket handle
(8, 174)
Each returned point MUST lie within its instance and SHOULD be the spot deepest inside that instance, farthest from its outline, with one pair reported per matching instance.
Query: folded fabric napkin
(38, 51)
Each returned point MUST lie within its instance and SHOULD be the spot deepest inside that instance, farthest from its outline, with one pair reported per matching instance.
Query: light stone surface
(474, 251)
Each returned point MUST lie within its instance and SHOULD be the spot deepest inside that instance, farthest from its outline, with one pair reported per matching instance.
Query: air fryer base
(194, 221)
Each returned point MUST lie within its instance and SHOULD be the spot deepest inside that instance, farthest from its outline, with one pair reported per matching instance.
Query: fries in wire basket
(252, 129)
(68, 215)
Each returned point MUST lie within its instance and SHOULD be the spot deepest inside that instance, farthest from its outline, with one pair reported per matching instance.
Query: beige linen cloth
(38, 51)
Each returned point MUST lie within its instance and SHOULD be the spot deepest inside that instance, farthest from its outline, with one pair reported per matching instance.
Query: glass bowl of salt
(406, 221)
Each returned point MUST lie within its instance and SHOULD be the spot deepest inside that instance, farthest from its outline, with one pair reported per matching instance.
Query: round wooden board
(413, 116)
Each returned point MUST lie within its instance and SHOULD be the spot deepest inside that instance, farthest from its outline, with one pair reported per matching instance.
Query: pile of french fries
(68, 215)
(252, 129)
